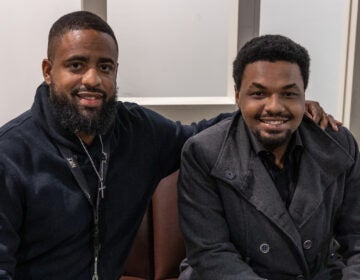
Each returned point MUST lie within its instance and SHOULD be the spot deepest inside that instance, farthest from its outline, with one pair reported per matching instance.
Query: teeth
(89, 96)
(274, 122)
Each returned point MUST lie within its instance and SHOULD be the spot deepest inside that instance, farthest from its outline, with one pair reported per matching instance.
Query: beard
(91, 121)
(274, 141)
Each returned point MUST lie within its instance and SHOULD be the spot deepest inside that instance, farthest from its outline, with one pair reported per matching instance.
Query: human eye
(106, 67)
(257, 94)
(75, 66)
(290, 94)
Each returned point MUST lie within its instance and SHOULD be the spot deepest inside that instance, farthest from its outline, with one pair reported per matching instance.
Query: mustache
(88, 89)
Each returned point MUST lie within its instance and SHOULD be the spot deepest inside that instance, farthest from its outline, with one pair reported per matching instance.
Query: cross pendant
(101, 189)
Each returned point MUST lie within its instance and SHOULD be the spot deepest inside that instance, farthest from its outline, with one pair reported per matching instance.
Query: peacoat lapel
(318, 170)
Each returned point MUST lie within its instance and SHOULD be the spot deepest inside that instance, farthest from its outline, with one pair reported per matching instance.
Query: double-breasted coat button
(307, 244)
(264, 248)
(229, 174)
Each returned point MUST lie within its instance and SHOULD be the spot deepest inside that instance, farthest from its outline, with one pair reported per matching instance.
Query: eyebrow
(77, 57)
(106, 60)
(84, 58)
(289, 86)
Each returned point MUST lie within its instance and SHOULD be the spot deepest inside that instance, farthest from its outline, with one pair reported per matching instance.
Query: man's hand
(315, 112)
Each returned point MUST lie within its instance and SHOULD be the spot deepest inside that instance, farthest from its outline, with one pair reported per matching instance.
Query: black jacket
(46, 221)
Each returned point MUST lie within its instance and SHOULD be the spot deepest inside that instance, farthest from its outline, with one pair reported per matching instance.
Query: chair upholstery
(158, 247)
(169, 248)
(139, 264)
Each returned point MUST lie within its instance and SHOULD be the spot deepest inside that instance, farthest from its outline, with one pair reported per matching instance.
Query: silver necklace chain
(101, 188)
(100, 173)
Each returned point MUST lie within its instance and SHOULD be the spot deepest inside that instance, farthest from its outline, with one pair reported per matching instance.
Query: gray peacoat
(237, 227)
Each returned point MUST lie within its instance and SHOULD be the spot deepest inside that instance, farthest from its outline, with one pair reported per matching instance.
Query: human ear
(46, 69)
(237, 96)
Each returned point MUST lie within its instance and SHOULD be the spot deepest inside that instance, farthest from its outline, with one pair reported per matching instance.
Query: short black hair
(78, 20)
(271, 48)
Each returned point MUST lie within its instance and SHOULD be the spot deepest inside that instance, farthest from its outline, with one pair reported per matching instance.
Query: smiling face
(82, 79)
(272, 102)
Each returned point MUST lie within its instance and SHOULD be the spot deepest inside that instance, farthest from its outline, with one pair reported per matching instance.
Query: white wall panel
(174, 48)
(322, 27)
(24, 26)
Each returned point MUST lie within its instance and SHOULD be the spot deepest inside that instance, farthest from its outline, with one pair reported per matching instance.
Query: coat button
(229, 174)
(264, 248)
(307, 244)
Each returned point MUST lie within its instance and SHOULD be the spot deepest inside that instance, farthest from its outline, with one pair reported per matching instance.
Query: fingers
(324, 121)
(314, 111)
(308, 114)
(327, 120)
(334, 123)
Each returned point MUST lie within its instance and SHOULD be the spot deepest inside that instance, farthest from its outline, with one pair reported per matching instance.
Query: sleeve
(10, 220)
(170, 137)
(347, 230)
(209, 249)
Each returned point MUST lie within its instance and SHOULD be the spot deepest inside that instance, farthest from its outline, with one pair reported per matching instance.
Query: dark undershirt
(284, 178)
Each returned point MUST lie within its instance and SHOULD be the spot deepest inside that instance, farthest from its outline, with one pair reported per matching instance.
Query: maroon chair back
(159, 247)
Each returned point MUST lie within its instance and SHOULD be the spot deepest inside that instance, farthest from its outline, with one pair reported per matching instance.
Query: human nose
(91, 78)
(274, 104)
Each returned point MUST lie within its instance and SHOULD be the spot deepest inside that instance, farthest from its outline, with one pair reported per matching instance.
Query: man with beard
(77, 171)
(267, 194)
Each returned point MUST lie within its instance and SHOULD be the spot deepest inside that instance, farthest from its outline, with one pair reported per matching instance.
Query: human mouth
(274, 123)
(90, 99)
